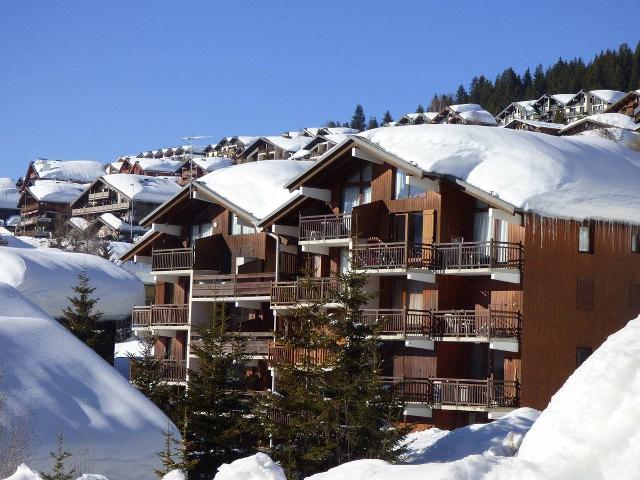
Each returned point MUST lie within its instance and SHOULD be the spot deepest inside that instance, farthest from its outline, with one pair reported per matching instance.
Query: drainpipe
(275, 315)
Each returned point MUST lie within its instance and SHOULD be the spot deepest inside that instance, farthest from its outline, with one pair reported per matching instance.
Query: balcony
(174, 371)
(501, 329)
(323, 290)
(171, 260)
(98, 195)
(325, 230)
(298, 356)
(488, 395)
(160, 316)
(110, 207)
(256, 344)
(232, 287)
(501, 260)
(395, 258)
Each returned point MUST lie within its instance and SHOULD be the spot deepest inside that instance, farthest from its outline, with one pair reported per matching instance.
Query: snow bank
(55, 384)
(46, 276)
(255, 187)
(24, 473)
(568, 177)
(590, 428)
(175, 475)
(142, 188)
(257, 467)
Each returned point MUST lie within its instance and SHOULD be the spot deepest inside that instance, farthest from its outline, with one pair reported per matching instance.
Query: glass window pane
(350, 198)
(583, 245)
(402, 189)
(366, 194)
(367, 172)
(634, 242)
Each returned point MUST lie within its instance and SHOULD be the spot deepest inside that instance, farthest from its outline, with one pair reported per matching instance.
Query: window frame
(590, 239)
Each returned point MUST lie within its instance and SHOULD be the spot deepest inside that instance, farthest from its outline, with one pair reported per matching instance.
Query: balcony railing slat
(232, 285)
(160, 315)
(321, 289)
(172, 259)
(325, 227)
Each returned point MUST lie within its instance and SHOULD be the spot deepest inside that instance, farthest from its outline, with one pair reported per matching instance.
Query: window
(236, 227)
(345, 261)
(402, 190)
(201, 230)
(634, 242)
(357, 190)
(582, 353)
(585, 239)
(585, 294)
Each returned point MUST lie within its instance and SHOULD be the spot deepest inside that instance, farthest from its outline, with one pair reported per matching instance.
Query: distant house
(548, 106)
(9, 197)
(123, 164)
(232, 147)
(417, 118)
(465, 114)
(525, 109)
(200, 166)
(586, 103)
(113, 204)
(326, 143)
(628, 105)
(278, 148)
(535, 126)
(45, 205)
(158, 167)
(75, 171)
(599, 121)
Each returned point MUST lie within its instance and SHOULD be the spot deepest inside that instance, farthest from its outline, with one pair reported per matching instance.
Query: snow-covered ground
(46, 276)
(54, 384)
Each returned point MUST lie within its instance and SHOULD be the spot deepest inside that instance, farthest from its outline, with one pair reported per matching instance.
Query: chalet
(465, 114)
(199, 166)
(535, 126)
(323, 131)
(176, 153)
(278, 148)
(416, 118)
(204, 247)
(158, 167)
(75, 171)
(552, 107)
(128, 197)
(585, 103)
(499, 271)
(627, 105)
(123, 164)
(232, 147)
(599, 121)
(523, 110)
(45, 206)
(327, 142)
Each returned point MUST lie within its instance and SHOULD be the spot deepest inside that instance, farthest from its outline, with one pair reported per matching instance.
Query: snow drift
(53, 383)
(584, 176)
(257, 467)
(46, 276)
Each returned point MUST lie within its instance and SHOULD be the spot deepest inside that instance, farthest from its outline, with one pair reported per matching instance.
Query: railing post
(492, 252)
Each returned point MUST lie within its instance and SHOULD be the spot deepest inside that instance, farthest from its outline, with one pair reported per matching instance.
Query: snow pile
(209, 164)
(163, 165)
(537, 123)
(590, 428)
(472, 112)
(618, 120)
(257, 188)
(80, 223)
(8, 193)
(129, 348)
(118, 224)
(257, 467)
(142, 188)
(609, 96)
(81, 171)
(24, 473)
(56, 192)
(55, 384)
(569, 177)
(563, 98)
(175, 475)
(47, 275)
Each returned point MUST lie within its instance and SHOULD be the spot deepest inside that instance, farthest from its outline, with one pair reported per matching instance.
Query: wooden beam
(362, 155)
(317, 193)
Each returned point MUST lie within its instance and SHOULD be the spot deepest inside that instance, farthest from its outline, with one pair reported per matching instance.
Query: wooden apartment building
(485, 306)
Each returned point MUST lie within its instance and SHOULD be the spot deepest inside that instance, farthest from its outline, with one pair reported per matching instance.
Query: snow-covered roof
(143, 188)
(617, 120)
(80, 223)
(340, 130)
(472, 112)
(289, 144)
(537, 123)
(527, 105)
(56, 385)
(163, 165)
(563, 98)
(609, 96)
(303, 153)
(257, 188)
(118, 224)
(8, 193)
(568, 177)
(54, 191)
(83, 171)
(213, 163)
(129, 348)
(12, 221)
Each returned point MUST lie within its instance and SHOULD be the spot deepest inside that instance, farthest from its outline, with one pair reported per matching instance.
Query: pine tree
(358, 120)
(420, 108)
(387, 118)
(373, 123)
(60, 457)
(559, 116)
(461, 95)
(218, 402)
(174, 455)
(83, 321)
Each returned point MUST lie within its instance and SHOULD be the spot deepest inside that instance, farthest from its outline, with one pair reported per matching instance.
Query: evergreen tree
(373, 123)
(174, 455)
(218, 403)
(83, 321)
(358, 120)
(420, 108)
(634, 75)
(559, 116)
(461, 95)
(388, 118)
(60, 458)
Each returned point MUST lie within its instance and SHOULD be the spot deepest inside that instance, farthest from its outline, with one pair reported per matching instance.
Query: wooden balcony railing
(453, 392)
(233, 285)
(256, 343)
(282, 353)
(98, 195)
(160, 315)
(174, 370)
(321, 289)
(393, 255)
(444, 323)
(473, 255)
(110, 207)
(325, 227)
(172, 259)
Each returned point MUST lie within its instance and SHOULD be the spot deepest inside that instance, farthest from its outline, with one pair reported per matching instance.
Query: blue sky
(89, 79)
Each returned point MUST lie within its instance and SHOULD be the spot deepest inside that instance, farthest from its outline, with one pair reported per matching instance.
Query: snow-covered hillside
(52, 383)
(46, 275)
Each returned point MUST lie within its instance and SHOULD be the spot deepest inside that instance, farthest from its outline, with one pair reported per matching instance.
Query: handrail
(232, 285)
(458, 392)
(279, 352)
(314, 289)
(109, 207)
(160, 315)
(325, 227)
(171, 259)
(173, 370)
(473, 255)
(392, 255)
